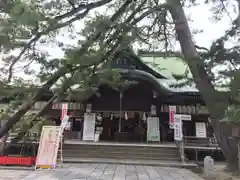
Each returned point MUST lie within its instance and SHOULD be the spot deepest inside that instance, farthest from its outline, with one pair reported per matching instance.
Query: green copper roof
(166, 66)
(168, 83)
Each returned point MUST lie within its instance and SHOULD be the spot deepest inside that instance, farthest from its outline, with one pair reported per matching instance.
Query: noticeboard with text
(153, 130)
(178, 135)
(48, 147)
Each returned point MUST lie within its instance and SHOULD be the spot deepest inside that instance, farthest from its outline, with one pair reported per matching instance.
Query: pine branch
(62, 71)
(56, 26)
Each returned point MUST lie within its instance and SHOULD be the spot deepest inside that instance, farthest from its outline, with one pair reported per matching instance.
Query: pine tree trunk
(228, 145)
(215, 103)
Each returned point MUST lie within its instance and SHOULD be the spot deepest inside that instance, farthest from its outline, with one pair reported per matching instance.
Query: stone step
(82, 151)
(132, 153)
(165, 158)
(130, 162)
(118, 148)
(158, 151)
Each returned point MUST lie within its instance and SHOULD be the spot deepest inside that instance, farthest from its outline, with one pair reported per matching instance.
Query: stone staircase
(117, 153)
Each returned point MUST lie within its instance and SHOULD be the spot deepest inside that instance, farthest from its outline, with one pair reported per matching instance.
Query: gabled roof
(171, 85)
(168, 66)
(137, 63)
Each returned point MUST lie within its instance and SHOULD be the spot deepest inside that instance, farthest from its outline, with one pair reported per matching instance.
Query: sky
(200, 19)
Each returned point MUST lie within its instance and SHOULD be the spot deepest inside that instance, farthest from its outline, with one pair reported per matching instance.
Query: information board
(48, 147)
(89, 126)
(201, 129)
(178, 127)
(153, 132)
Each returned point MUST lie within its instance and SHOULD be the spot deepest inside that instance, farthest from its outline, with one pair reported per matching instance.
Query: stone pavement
(101, 171)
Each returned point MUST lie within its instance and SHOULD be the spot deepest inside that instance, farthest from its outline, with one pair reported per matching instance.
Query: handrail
(180, 145)
(203, 142)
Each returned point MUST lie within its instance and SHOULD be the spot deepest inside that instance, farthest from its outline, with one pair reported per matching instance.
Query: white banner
(64, 123)
(89, 126)
(201, 129)
(178, 127)
(48, 147)
(172, 111)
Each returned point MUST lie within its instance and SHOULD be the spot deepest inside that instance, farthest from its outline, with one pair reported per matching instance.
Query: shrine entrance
(132, 129)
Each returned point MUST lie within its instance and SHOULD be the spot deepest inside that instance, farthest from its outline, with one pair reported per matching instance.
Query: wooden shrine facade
(132, 104)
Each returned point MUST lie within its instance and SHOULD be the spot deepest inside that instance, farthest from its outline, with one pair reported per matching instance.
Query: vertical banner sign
(172, 112)
(64, 123)
(48, 147)
(153, 131)
(89, 126)
(178, 127)
(64, 110)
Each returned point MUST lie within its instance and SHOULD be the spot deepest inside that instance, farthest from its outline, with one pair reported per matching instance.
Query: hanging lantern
(154, 94)
(89, 108)
(99, 117)
(144, 118)
(126, 115)
(153, 110)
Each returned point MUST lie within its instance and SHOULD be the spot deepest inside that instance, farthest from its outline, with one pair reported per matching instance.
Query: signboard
(64, 110)
(172, 112)
(201, 129)
(89, 126)
(48, 147)
(186, 117)
(153, 132)
(178, 127)
(153, 110)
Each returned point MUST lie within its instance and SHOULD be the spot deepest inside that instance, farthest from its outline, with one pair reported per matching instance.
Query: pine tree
(25, 25)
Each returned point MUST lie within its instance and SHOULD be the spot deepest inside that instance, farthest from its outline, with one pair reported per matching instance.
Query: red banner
(64, 110)
(172, 112)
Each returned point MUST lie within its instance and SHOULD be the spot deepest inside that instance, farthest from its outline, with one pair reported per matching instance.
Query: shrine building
(143, 113)
(122, 115)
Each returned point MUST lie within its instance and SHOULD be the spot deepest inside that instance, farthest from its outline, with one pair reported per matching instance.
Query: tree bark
(62, 71)
(215, 104)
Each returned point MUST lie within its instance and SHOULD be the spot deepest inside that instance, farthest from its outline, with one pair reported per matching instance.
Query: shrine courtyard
(101, 171)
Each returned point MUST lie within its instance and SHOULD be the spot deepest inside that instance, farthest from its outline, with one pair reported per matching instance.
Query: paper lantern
(126, 116)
